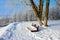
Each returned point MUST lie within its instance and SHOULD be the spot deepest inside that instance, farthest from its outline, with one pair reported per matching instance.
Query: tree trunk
(46, 13)
(41, 9)
(36, 12)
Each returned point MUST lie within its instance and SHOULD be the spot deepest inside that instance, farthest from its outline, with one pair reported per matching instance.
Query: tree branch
(57, 2)
(34, 7)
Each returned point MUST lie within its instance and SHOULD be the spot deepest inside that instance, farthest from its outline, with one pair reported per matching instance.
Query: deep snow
(19, 31)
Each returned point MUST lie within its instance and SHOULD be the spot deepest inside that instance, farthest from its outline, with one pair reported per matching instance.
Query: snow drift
(18, 31)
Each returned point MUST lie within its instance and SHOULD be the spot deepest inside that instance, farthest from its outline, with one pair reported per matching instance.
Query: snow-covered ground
(19, 31)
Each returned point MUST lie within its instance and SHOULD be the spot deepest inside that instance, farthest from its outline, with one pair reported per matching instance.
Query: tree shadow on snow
(41, 28)
(3, 25)
(53, 25)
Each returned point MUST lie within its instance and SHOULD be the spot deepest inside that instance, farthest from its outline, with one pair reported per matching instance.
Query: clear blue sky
(9, 6)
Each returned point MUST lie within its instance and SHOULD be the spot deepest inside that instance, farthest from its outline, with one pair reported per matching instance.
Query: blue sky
(9, 6)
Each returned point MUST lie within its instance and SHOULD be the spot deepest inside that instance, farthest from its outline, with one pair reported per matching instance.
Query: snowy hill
(19, 31)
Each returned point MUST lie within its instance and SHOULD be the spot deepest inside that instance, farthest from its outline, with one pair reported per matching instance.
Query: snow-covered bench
(33, 28)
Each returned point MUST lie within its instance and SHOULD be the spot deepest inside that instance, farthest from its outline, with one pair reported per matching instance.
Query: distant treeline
(28, 15)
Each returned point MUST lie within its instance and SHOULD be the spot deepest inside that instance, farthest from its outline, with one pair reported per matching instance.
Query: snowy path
(18, 31)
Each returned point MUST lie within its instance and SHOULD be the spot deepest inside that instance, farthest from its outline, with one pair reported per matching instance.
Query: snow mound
(7, 32)
(18, 31)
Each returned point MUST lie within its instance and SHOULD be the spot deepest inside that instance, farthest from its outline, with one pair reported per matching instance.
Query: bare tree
(38, 13)
(39, 10)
